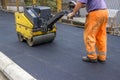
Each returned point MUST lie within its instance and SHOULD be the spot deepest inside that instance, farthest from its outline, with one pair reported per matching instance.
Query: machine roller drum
(41, 39)
(30, 42)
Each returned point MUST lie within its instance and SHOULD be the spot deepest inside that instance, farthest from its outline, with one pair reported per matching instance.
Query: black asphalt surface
(61, 59)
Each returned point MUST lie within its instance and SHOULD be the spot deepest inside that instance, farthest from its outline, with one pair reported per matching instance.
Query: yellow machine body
(25, 28)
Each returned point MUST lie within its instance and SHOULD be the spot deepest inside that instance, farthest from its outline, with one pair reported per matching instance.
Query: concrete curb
(8, 11)
(76, 21)
(11, 70)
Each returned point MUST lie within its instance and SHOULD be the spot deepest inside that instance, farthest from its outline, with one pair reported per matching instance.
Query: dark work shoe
(101, 61)
(86, 59)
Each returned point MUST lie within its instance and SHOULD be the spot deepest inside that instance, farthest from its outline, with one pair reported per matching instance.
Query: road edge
(11, 70)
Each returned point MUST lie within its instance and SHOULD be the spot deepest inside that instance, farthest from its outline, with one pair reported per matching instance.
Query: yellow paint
(17, 5)
(25, 27)
(59, 5)
(4, 4)
(34, 2)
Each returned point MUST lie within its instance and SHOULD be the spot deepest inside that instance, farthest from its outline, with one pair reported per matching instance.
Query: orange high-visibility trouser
(95, 34)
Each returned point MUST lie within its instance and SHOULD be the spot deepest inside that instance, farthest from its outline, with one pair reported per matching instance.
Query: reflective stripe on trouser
(95, 32)
(101, 56)
(92, 55)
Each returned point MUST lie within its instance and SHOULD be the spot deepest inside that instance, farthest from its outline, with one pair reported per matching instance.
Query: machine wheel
(20, 37)
(52, 39)
(30, 42)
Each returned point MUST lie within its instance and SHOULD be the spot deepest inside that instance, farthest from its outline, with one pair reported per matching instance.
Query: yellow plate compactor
(36, 25)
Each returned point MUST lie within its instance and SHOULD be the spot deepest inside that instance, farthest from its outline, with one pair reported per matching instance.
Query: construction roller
(41, 39)
(36, 25)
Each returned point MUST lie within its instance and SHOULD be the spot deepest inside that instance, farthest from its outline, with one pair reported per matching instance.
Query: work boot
(86, 59)
(101, 61)
(101, 58)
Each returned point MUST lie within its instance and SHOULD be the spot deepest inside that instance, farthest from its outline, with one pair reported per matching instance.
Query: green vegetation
(50, 3)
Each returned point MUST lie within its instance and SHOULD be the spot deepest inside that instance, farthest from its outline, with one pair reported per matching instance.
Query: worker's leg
(101, 38)
(91, 28)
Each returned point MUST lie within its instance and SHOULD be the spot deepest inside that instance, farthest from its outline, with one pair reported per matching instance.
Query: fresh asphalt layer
(61, 59)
